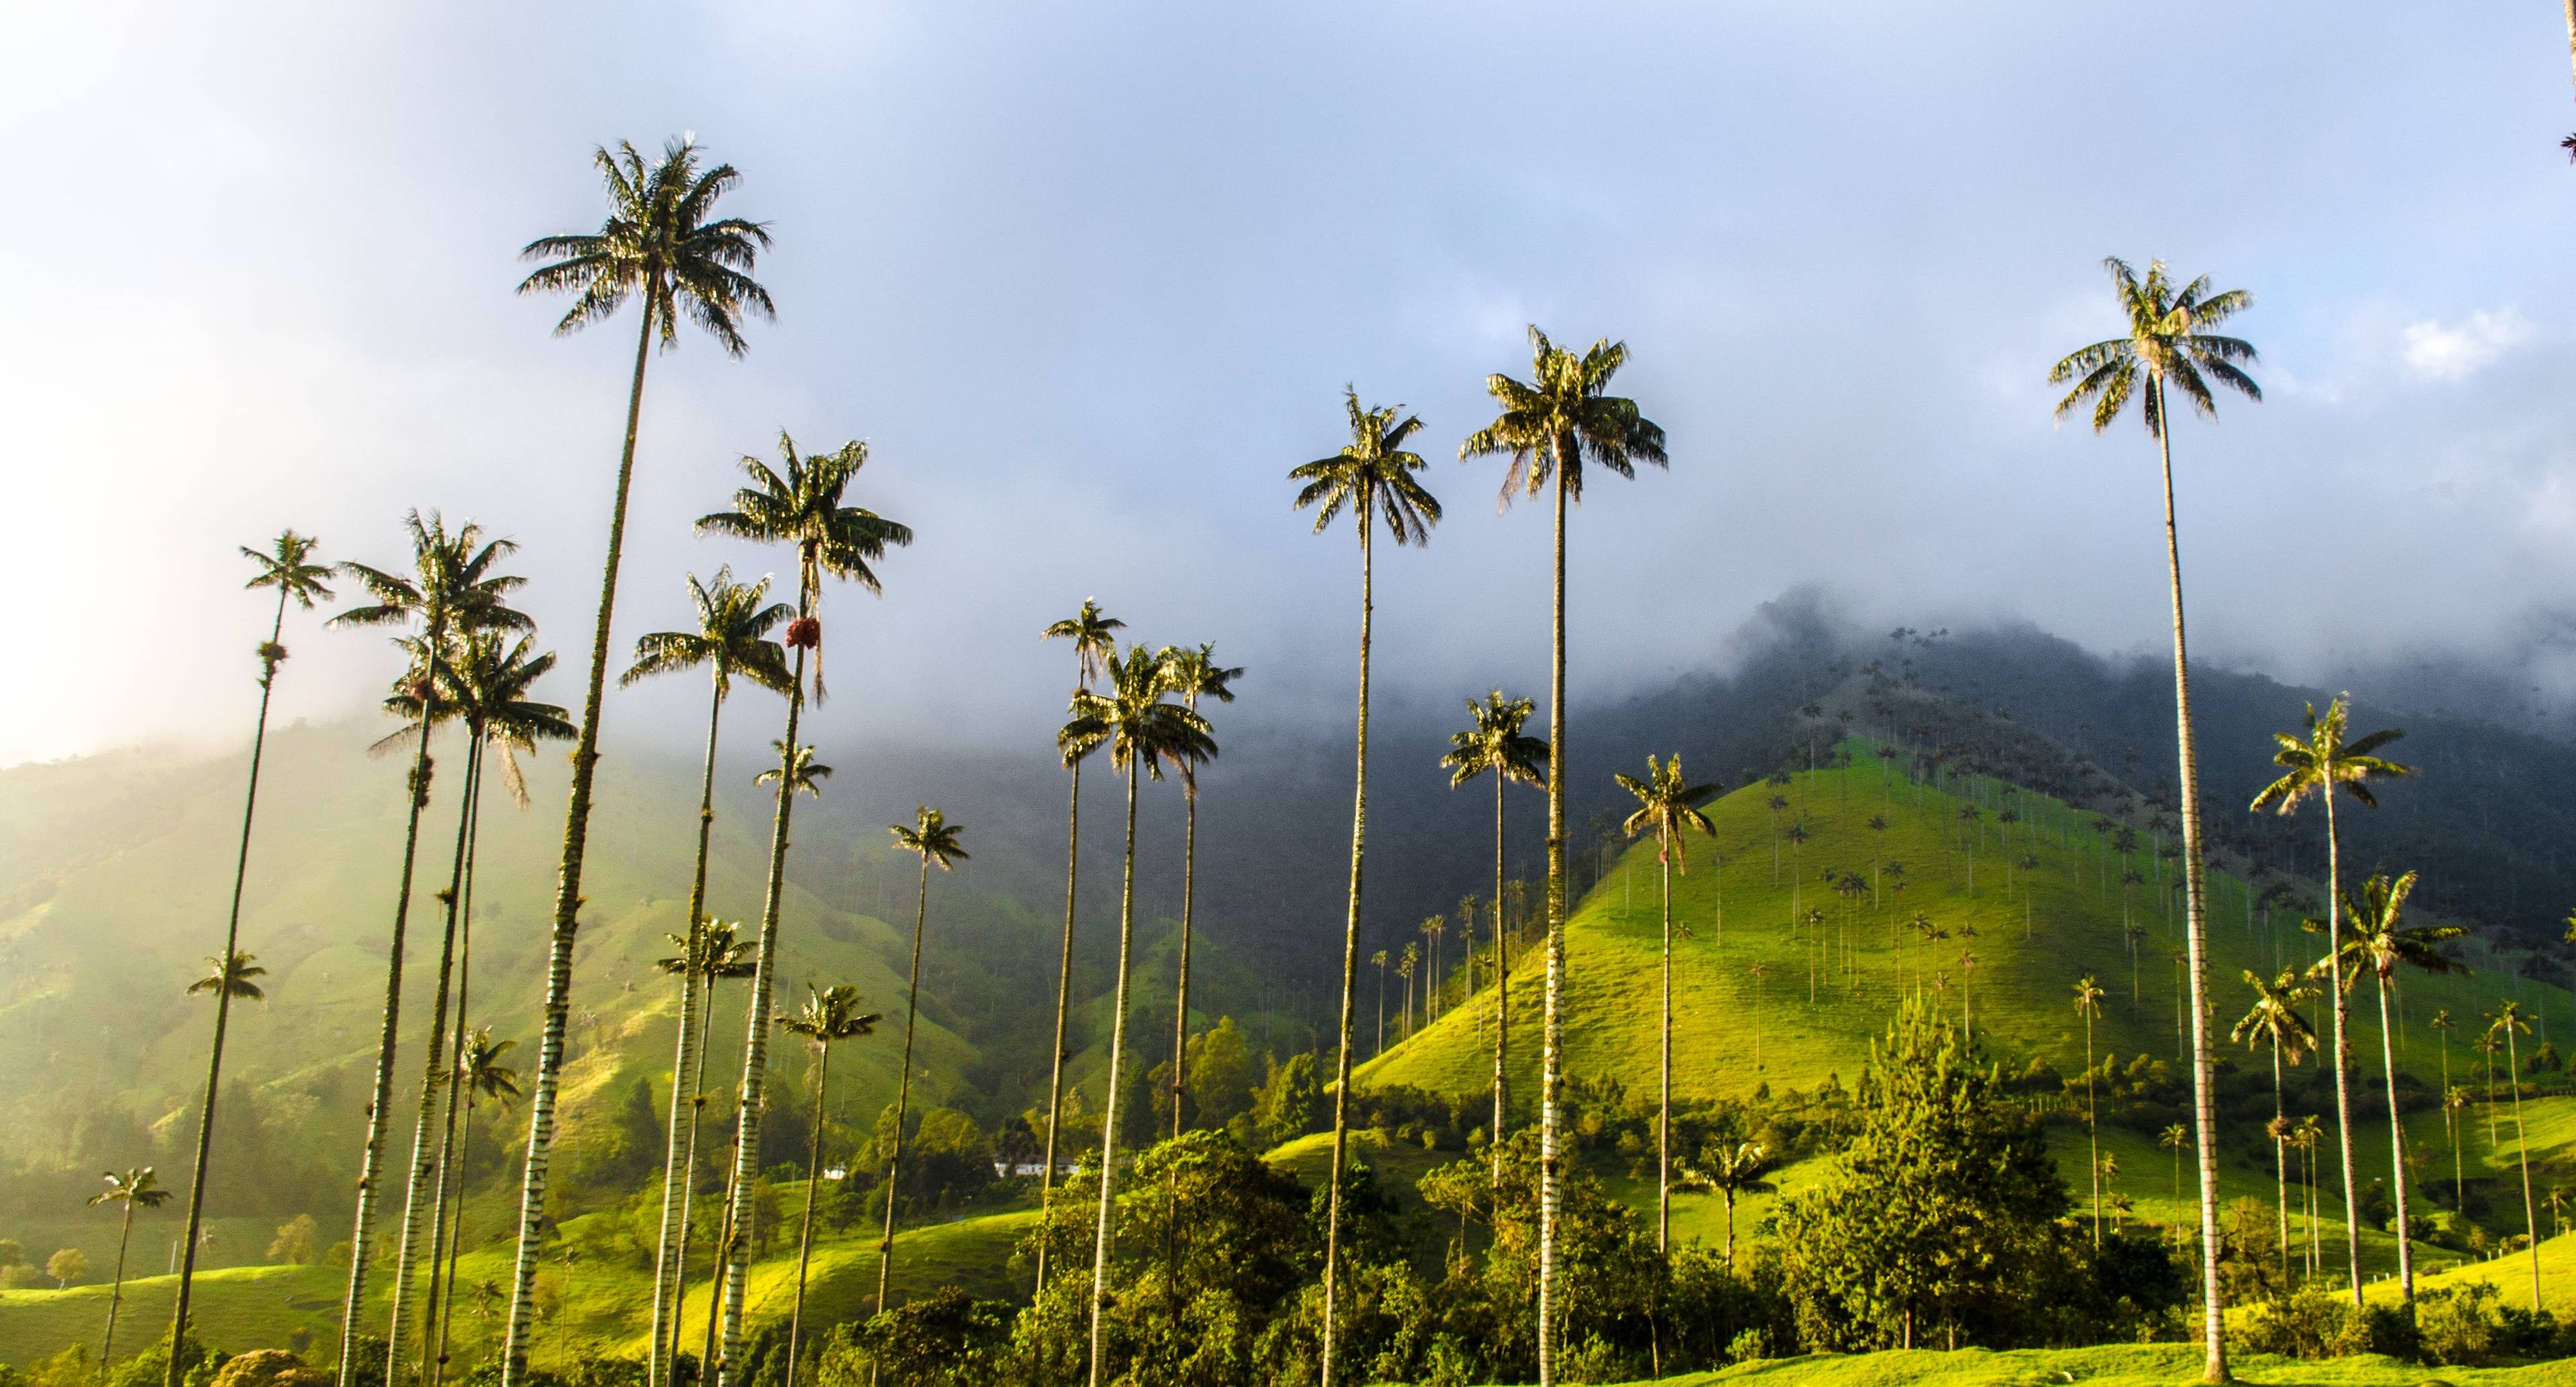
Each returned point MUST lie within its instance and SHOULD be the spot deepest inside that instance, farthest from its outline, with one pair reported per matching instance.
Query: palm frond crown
(660, 243)
(1564, 416)
(2165, 343)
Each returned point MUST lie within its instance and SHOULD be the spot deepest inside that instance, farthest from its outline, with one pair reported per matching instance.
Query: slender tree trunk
(755, 1046)
(455, 1235)
(1181, 1005)
(675, 1169)
(1502, 991)
(2281, 1163)
(567, 920)
(902, 1090)
(708, 1359)
(424, 1163)
(379, 1099)
(223, 999)
(2522, 1152)
(2342, 1047)
(2571, 31)
(1350, 967)
(451, 1156)
(1109, 1108)
(116, 1292)
(2092, 1133)
(432, 1368)
(1063, 1001)
(2397, 1153)
(1664, 1066)
(2203, 1080)
(689, 1186)
(1552, 1059)
(813, 1182)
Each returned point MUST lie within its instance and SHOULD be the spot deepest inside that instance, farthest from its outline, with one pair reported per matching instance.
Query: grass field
(2115, 1365)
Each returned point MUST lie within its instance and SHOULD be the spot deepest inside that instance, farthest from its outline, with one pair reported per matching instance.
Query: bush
(2457, 1325)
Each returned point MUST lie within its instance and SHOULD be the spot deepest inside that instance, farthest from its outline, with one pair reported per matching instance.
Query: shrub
(2457, 1324)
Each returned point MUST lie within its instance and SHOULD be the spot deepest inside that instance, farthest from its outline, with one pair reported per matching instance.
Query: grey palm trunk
(755, 1061)
(2342, 1047)
(902, 1091)
(1502, 987)
(223, 999)
(447, 1215)
(689, 1189)
(417, 1192)
(1100, 1245)
(567, 918)
(1664, 1066)
(116, 1294)
(813, 1183)
(2203, 1098)
(1063, 1002)
(1350, 960)
(2397, 1151)
(2522, 1153)
(381, 1098)
(678, 1156)
(1552, 1050)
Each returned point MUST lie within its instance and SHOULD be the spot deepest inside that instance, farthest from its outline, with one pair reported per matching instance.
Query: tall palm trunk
(116, 1291)
(1664, 1065)
(902, 1090)
(2342, 1047)
(689, 1188)
(424, 1162)
(223, 999)
(1350, 961)
(755, 1045)
(2092, 1132)
(2203, 1081)
(567, 918)
(1502, 988)
(2397, 1152)
(2281, 1161)
(455, 1238)
(459, 934)
(805, 1238)
(1063, 1003)
(2522, 1152)
(1181, 1034)
(1109, 1108)
(708, 1359)
(676, 1155)
(1552, 1059)
(380, 1099)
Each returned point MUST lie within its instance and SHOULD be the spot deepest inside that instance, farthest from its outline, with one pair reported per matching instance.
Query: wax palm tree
(797, 504)
(483, 682)
(1143, 733)
(2313, 768)
(662, 246)
(2455, 1107)
(1551, 425)
(1372, 478)
(1734, 1172)
(2380, 945)
(1378, 961)
(716, 952)
(480, 1074)
(2167, 344)
(2088, 1004)
(1494, 744)
(1095, 639)
(136, 1186)
(733, 623)
(2274, 1019)
(1409, 964)
(2508, 1025)
(2175, 1137)
(936, 841)
(1666, 806)
(830, 1016)
(1193, 674)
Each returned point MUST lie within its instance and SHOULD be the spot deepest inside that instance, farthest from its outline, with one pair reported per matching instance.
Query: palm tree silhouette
(660, 245)
(452, 591)
(1494, 744)
(733, 622)
(1410, 964)
(1551, 425)
(1143, 733)
(799, 503)
(1733, 1173)
(2274, 1019)
(1094, 639)
(2508, 1024)
(1372, 478)
(2443, 1025)
(2313, 768)
(1666, 805)
(479, 1073)
(2088, 1004)
(1193, 674)
(2166, 344)
(729, 957)
(136, 1186)
(935, 840)
(831, 1015)
(708, 952)
(1378, 961)
(2380, 944)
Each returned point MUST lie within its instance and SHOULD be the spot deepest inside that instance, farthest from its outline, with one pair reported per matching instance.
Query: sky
(1090, 279)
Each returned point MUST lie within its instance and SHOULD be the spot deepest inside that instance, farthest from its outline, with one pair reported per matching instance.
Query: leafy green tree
(2167, 345)
(1666, 806)
(136, 1186)
(934, 840)
(1494, 744)
(453, 592)
(231, 976)
(1143, 733)
(944, 1339)
(1372, 478)
(2274, 1019)
(661, 245)
(1290, 1094)
(2381, 944)
(830, 1015)
(798, 504)
(733, 622)
(1222, 1076)
(1550, 425)
(67, 1265)
(1095, 639)
(2313, 768)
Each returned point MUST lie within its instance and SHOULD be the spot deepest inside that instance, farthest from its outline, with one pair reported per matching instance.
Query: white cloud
(2456, 353)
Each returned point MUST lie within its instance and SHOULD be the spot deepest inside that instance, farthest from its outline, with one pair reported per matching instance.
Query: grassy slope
(2115, 1365)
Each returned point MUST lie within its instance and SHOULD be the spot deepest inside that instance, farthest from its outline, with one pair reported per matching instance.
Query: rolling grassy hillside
(2112, 1365)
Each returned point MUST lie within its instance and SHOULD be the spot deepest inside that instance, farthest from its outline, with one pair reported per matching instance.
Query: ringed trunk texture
(447, 1228)
(677, 1156)
(116, 1294)
(567, 923)
(2397, 1152)
(1552, 1060)
(1063, 1001)
(1350, 967)
(902, 1091)
(378, 1100)
(1664, 1066)
(1109, 1109)
(1502, 989)
(805, 1237)
(2342, 1047)
(223, 1002)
